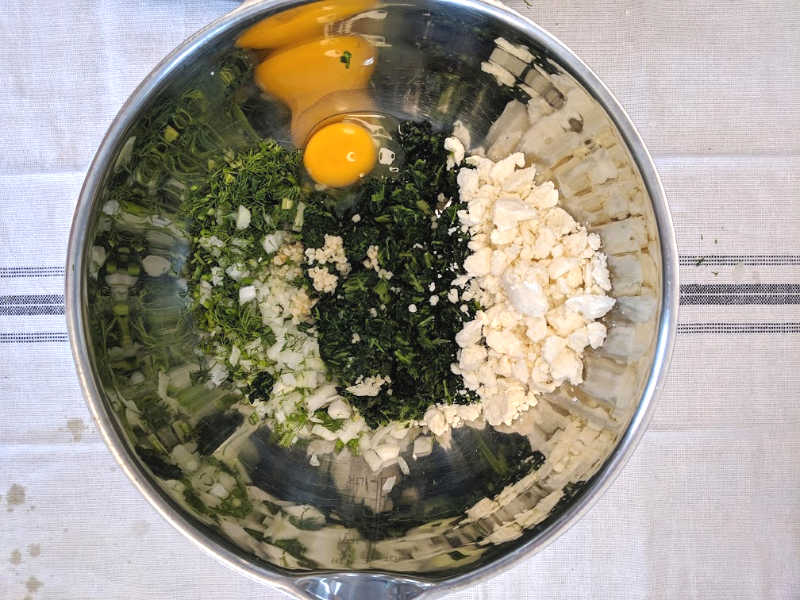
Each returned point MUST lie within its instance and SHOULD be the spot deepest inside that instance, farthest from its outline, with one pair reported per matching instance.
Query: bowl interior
(460, 508)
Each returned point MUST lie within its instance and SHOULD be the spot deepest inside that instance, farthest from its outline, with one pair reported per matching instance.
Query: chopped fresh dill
(265, 181)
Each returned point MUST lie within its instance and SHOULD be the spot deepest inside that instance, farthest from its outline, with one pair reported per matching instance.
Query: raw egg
(320, 78)
(297, 24)
(340, 154)
(302, 75)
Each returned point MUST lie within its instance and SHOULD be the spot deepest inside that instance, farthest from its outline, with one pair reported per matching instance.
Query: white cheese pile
(541, 280)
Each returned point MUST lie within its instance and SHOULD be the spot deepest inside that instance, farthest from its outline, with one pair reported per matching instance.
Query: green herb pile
(401, 334)
(264, 180)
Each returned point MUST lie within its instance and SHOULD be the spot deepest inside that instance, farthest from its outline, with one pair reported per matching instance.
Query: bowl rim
(75, 293)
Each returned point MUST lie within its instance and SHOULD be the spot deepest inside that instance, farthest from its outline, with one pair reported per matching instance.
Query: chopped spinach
(261, 386)
(411, 218)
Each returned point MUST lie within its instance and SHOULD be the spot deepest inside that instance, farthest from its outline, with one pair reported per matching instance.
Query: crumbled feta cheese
(526, 296)
(540, 279)
(435, 421)
(456, 149)
(479, 263)
(471, 358)
(600, 274)
(470, 333)
(385, 156)
(434, 300)
(590, 306)
(596, 333)
(355, 338)
(356, 218)
(368, 386)
(412, 308)
(579, 339)
(508, 212)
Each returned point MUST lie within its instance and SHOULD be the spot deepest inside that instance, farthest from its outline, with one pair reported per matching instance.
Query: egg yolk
(302, 22)
(317, 77)
(340, 154)
(302, 75)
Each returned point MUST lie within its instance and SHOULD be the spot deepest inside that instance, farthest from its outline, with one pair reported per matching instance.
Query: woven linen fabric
(709, 505)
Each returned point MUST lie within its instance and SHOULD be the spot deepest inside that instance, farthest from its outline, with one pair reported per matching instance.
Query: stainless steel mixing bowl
(462, 513)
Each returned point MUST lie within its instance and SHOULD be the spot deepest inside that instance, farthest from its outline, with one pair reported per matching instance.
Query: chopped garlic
(323, 280)
(242, 217)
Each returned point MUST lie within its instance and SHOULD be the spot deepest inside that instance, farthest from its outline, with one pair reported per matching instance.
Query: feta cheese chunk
(368, 386)
(456, 149)
(590, 306)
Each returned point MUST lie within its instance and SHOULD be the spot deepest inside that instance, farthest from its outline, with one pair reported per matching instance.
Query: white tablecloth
(709, 506)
